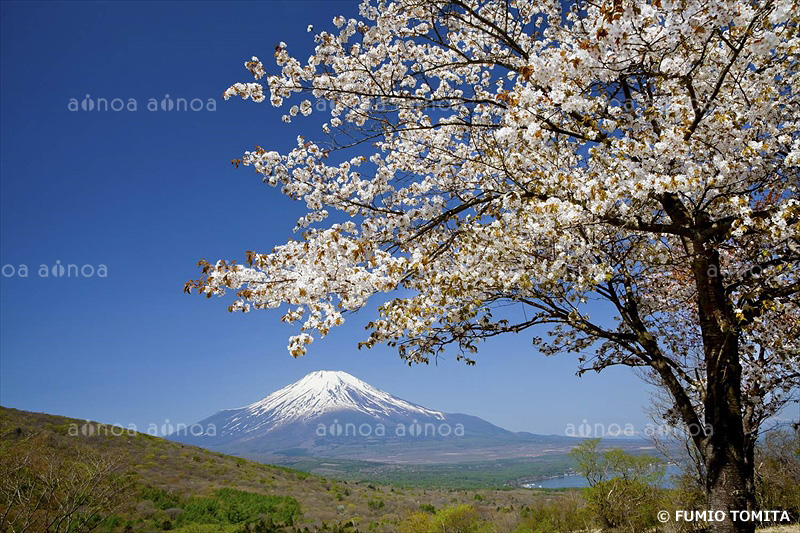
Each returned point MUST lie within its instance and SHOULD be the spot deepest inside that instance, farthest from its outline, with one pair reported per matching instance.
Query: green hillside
(59, 474)
(107, 479)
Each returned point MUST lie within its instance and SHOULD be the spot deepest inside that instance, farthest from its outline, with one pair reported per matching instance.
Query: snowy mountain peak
(328, 391)
(291, 418)
(327, 379)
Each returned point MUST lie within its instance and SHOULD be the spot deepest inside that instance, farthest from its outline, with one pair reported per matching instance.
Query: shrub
(146, 508)
(686, 496)
(459, 519)
(162, 499)
(43, 484)
(778, 471)
(173, 512)
(624, 504)
(375, 504)
(623, 494)
(564, 513)
(427, 507)
(419, 522)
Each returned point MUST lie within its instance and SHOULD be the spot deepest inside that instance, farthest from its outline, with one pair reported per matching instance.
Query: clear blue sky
(149, 193)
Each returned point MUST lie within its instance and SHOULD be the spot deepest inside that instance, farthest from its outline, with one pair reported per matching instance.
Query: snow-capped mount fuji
(326, 410)
(328, 391)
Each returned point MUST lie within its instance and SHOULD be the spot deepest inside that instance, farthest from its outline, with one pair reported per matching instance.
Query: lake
(576, 482)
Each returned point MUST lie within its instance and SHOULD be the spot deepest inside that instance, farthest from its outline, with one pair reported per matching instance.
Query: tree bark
(730, 475)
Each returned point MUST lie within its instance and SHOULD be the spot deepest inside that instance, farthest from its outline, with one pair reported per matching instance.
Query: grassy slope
(191, 471)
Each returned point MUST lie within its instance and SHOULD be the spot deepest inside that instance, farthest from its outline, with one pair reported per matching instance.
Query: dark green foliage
(375, 504)
(338, 527)
(230, 506)
(428, 508)
(162, 499)
(201, 511)
(265, 525)
(112, 522)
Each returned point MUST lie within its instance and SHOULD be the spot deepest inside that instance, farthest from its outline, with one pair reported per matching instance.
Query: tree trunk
(728, 488)
(729, 466)
(729, 470)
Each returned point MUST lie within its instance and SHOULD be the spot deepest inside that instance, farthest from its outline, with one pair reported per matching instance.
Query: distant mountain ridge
(334, 414)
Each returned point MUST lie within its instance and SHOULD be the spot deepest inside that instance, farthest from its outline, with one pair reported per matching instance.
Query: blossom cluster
(499, 152)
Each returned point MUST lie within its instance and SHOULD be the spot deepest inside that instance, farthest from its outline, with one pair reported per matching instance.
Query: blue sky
(149, 193)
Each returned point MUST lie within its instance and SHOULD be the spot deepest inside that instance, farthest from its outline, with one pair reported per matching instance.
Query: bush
(173, 512)
(778, 471)
(623, 494)
(460, 519)
(43, 484)
(419, 522)
(375, 504)
(686, 496)
(427, 507)
(564, 513)
(162, 499)
(146, 508)
(624, 504)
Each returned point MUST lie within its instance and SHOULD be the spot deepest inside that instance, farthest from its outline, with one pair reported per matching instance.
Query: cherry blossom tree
(635, 159)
